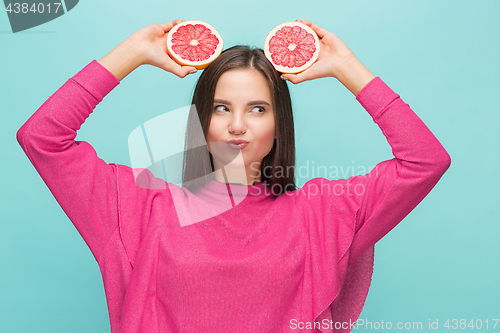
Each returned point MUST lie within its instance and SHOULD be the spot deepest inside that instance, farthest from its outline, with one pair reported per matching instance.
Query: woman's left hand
(333, 56)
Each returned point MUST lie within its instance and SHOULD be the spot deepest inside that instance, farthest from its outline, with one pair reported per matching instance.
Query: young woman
(238, 248)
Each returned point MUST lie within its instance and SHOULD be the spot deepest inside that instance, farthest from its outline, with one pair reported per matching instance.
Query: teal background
(441, 262)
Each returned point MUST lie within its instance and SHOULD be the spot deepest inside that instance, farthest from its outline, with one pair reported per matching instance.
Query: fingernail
(283, 78)
(193, 71)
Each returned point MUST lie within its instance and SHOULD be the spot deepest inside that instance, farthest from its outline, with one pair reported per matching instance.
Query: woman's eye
(259, 109)
(221, 108)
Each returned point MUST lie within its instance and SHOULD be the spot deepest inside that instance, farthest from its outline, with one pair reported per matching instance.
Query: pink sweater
(264, 264)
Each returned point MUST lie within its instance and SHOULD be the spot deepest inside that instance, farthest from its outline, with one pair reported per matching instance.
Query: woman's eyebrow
(223, 101)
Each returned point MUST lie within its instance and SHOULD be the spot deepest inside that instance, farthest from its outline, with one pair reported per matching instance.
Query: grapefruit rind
(186, 62)
(291, 70)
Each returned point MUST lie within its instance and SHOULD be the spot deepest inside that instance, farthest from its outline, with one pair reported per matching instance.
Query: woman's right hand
(147, 45)
(336, 60)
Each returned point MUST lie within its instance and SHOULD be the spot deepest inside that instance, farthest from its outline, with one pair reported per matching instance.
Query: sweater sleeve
(82, 183)
(390, 191)
(377, 201)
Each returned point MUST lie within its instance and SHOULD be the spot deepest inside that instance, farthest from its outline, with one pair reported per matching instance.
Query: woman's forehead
(243, 85)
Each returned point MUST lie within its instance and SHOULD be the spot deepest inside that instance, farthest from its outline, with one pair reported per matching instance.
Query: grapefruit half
(292, 47)
(194, 43)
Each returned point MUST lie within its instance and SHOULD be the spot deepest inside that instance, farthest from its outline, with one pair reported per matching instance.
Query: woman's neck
(239, 175)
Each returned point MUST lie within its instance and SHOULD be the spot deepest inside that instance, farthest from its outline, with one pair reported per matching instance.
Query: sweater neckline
(238, 189)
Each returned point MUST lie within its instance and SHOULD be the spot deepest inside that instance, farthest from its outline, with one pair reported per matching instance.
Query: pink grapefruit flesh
(292, 47)
(194, 43)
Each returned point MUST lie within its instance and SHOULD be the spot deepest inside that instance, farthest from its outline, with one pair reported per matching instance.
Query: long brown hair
(279, 164)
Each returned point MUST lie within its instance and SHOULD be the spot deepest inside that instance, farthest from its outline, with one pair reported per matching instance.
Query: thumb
(300, 77)
(171, 66)
(186, 70)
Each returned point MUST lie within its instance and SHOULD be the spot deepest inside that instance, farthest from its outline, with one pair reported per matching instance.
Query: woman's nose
(237, 124)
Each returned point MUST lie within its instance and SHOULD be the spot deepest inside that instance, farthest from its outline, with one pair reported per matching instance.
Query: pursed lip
(237, 141)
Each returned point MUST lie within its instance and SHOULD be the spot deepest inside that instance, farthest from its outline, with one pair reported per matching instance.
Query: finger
(186, 70)
(176, 69)
(321, 32)
(308, 74)
(182, 71)
(169, 25)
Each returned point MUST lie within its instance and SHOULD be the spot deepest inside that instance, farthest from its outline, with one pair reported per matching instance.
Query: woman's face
(242, 110)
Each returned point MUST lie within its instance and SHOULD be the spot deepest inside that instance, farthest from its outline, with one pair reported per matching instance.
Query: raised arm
(394, 187)
(82, 183)
(382, 198)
